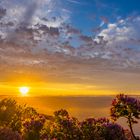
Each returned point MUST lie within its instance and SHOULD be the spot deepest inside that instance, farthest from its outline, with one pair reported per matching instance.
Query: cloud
(22, 19)
(74, 1)
(122, 32)
(2, 12)
(86, 38)
(34, 11)
(104, 19)
(120, 37)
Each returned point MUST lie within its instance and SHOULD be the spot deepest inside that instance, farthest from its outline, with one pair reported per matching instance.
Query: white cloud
(121, 33)
(122, 41)
(34, 11)
(74, 1)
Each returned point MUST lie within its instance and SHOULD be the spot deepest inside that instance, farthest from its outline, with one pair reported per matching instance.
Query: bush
(25, 123)
(32, 127)
(101, 129)
(63, 127)
(7, 134)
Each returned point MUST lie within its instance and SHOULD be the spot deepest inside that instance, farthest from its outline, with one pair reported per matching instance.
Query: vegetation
(25, 123)
(128, 107)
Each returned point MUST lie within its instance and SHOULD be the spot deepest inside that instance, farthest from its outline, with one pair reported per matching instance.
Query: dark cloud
(54, 31)
(104, 19)
(29, 13)
(72, 30)
(2, 12)
(86, 38)
(97, 29)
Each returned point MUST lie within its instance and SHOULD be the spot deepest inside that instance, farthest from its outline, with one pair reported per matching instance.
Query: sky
(70, 47)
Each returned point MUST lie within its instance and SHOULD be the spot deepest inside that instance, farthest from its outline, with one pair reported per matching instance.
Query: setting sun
(24, 90)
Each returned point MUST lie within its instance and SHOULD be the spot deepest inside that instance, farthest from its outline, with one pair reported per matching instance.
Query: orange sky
(80, 81)
(62, 89)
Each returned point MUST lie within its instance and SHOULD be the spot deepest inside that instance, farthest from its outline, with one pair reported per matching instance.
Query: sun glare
(24, 91)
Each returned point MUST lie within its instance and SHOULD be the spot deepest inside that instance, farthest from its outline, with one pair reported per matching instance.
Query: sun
(24, 91)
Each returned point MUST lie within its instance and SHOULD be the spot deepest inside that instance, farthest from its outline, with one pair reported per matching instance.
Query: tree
(128, 107)
(8, 109)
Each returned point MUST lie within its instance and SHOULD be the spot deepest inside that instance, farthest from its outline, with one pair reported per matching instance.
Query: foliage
(7, 134)
(32, 127)
(25, 123)
(8, 109)
(128, 107)
(100, 129)
(124, 106)
(63, 127)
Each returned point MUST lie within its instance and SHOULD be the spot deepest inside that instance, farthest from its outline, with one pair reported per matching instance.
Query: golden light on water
(24, 90)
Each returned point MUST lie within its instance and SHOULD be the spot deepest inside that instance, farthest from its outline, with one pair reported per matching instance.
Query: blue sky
(86, 14)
